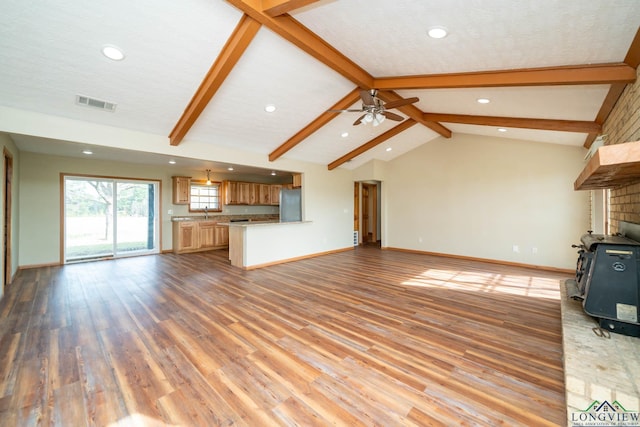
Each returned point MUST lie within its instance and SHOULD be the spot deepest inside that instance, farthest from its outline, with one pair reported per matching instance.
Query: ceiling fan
(375, 111)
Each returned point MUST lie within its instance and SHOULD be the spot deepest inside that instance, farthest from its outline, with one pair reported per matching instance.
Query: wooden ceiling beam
(517, 122)
(375, 141)
(549, 76)
(280, 7)
(415, 113)
(322, 120)
(632, 59)
(244, 32)
(633, 55)
(299, 35)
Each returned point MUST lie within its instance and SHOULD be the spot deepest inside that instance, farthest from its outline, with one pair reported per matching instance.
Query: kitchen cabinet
(251, 193)
(297, 180)
(181, 189)
(221, 236)
(196, 236)
(275, 194)
(206, 234)
(185, 236)
(231, 193)
(264, 194)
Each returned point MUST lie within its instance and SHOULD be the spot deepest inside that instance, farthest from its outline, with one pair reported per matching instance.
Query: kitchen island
(261, 243)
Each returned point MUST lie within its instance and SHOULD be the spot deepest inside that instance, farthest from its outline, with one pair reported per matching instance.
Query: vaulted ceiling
(204, 70)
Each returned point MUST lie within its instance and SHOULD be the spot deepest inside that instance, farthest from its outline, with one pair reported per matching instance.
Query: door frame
(7, 216)
(115, 179)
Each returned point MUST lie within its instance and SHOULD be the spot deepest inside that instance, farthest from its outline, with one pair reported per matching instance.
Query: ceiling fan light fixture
(368, 118)
(437, 32)
(378, 118)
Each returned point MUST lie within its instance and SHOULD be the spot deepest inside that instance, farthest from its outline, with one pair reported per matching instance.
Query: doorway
(6, 258)
(369, 214)
(108, 218)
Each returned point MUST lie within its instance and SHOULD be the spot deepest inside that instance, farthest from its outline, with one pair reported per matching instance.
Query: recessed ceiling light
(273, 173)
(389, 148)
(502, 130)
(230, 168)
(344, 134)
(437, 32)
(112, 52)
(270, 108)
(483, 100)
(172, 162)
(87, 152)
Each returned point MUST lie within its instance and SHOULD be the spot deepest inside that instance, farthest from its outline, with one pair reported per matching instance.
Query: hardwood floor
(365, 337)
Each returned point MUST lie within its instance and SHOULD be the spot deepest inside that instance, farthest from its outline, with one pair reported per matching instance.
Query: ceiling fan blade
(400, 102)
(392, 116)
(357, 122)
(345, 111)
(367, 98)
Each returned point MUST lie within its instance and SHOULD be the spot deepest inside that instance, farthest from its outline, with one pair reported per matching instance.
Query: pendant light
(208, 178)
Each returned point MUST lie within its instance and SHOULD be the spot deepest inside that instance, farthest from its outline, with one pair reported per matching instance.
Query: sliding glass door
(107, 217)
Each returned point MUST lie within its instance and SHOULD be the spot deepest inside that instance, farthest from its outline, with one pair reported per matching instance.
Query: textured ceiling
(50, 52)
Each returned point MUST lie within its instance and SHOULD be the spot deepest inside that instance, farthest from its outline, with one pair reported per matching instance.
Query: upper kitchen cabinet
(275, 193)
(181, 189)
(297, 180)
(251, 193)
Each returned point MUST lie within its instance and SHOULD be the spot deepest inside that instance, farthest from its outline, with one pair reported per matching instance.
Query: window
(205, 196)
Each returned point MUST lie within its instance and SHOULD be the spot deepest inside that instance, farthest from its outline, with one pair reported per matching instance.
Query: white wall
(7, 143)
(479, 196)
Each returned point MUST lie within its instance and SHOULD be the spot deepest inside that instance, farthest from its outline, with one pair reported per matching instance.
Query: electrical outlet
(170, 212)
(516, 249)
(419, 239)
(534, 250)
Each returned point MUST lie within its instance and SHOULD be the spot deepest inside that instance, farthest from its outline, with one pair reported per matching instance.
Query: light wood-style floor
(364, 337)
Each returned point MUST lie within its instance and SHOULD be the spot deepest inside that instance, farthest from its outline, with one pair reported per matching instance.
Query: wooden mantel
(611, 166)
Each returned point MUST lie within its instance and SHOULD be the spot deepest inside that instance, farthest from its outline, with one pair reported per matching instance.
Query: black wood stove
(608, 279)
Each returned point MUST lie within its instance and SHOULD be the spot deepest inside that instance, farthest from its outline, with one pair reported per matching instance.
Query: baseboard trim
(30, 266)
(487, 260)
(299, 258)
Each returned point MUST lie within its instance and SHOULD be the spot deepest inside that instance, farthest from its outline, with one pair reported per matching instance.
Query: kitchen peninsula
(260, 243)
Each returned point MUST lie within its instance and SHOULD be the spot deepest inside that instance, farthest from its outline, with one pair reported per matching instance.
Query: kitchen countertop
(253, 223)
(225, 218)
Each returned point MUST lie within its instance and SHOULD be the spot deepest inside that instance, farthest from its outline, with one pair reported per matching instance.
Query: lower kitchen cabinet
(185, 236)
(195, 236)
(221, 235)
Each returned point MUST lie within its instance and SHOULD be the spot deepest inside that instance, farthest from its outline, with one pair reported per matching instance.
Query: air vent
(95, 103)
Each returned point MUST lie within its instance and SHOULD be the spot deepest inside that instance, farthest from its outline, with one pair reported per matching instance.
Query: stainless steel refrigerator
(290, 205)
